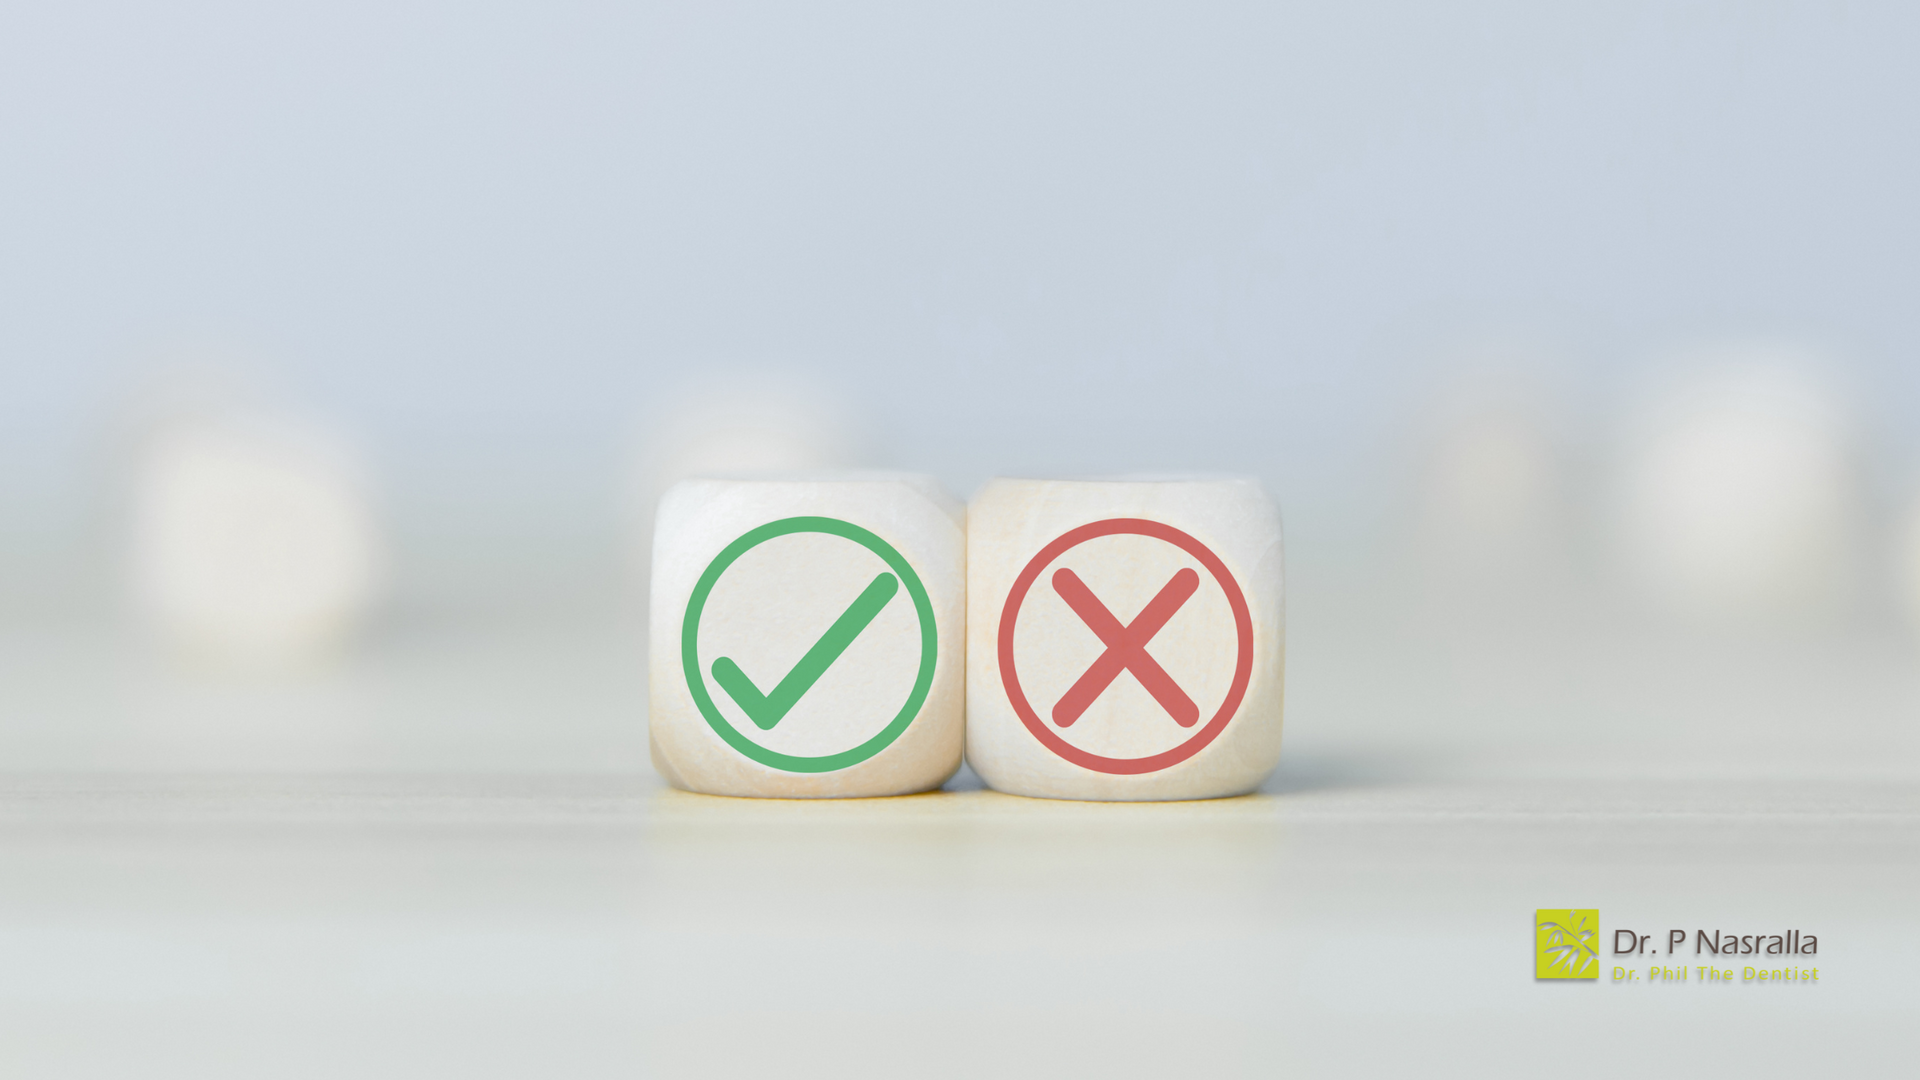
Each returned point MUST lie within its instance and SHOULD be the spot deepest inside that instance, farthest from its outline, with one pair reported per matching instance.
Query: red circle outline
(1242, 671)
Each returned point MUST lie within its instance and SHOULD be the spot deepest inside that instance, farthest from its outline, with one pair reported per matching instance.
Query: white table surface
(448, 859)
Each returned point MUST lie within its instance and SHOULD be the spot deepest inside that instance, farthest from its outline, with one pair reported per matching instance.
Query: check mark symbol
(766, 710)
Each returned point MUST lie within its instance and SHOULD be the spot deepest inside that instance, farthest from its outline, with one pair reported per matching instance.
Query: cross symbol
(1126, 647)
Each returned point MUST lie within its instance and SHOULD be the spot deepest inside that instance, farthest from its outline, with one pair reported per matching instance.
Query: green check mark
(766, 710)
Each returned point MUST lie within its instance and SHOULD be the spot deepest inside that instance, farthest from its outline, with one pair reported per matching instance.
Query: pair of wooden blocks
(849, 635)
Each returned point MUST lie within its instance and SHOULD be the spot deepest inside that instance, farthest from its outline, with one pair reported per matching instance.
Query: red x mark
(1126, 647)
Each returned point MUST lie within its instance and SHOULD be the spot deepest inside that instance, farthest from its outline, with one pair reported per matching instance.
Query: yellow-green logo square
(1566, 943)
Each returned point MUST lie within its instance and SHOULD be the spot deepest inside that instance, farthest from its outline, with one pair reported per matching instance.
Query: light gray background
(1015, 237)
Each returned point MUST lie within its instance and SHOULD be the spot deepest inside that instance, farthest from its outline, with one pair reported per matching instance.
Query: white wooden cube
(808, 635)
(1126, 637)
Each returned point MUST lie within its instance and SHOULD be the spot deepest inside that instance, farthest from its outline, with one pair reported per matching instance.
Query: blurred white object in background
(1906, 564)
(254, 541)
(1492, 496)
(1741, 493)
(739, 422)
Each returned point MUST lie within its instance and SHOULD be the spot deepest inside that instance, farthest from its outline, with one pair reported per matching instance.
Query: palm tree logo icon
(1566, 943)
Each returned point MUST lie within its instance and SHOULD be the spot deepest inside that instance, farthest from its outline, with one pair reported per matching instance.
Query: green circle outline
(696, 679)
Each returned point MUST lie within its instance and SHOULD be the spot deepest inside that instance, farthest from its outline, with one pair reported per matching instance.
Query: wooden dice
(808, 635)
(1125, 638)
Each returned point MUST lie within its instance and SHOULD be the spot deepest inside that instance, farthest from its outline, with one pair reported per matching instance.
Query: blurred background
(1564, 323)
(344, 349)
